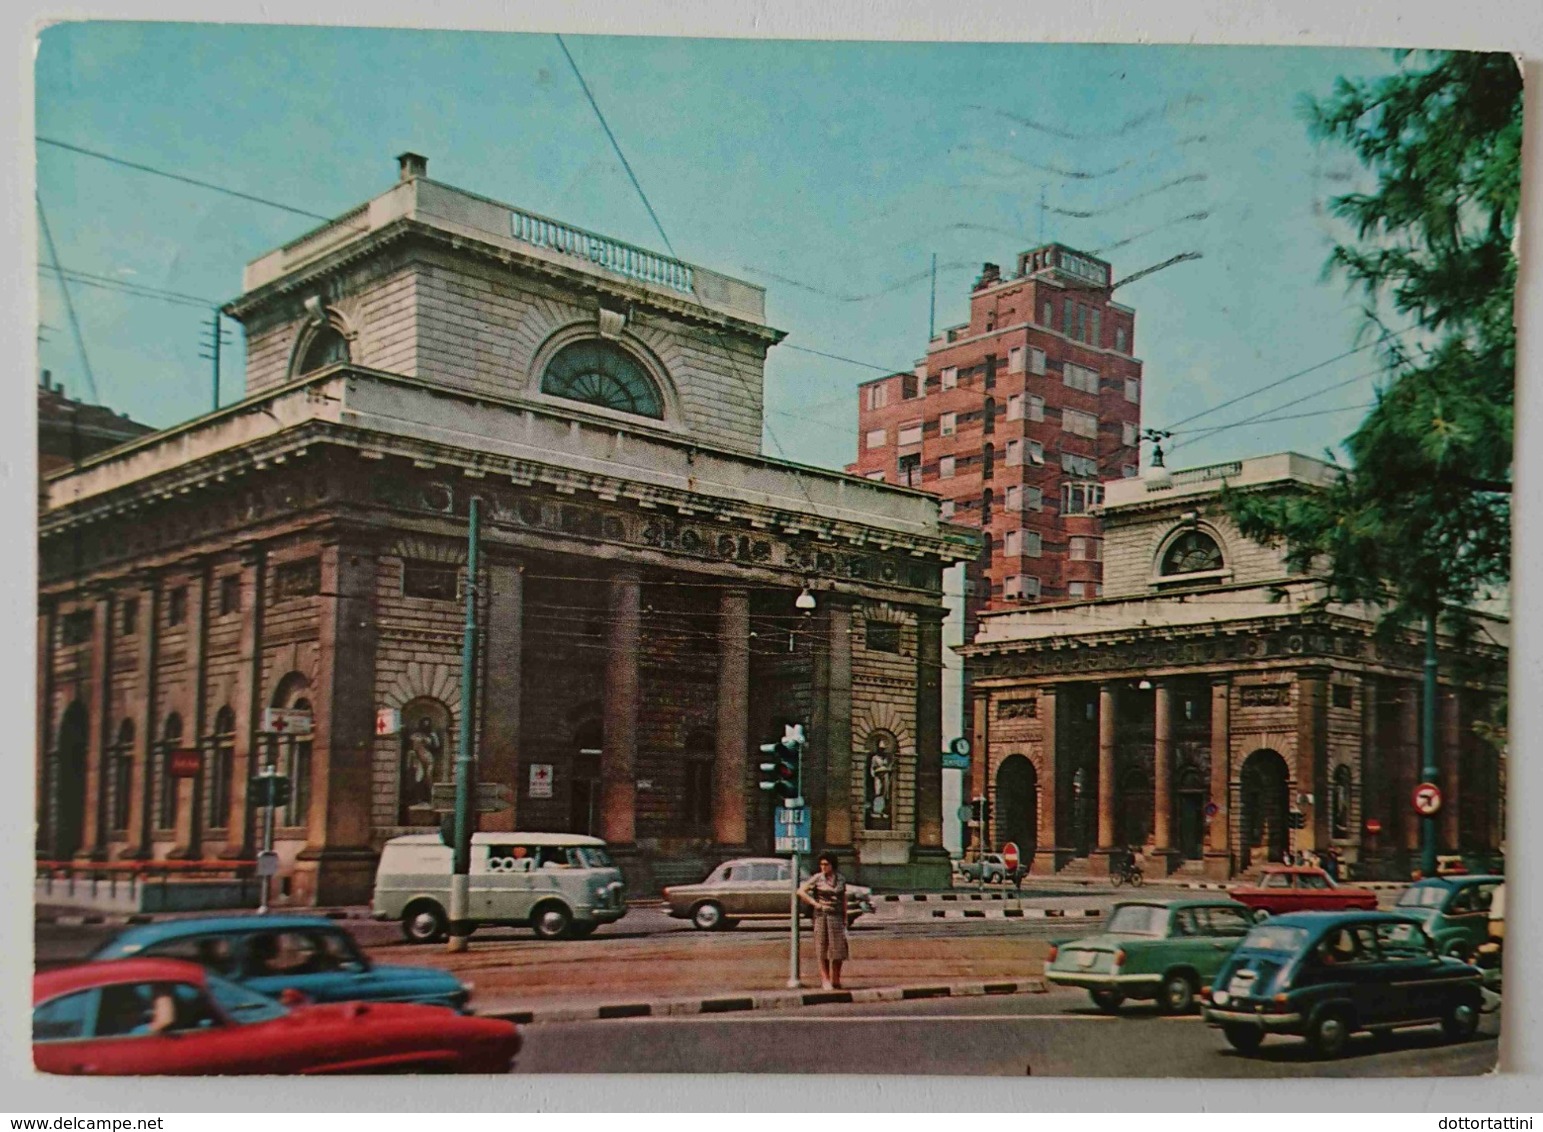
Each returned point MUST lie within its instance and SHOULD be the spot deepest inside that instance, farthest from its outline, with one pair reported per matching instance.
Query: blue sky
(828, 172)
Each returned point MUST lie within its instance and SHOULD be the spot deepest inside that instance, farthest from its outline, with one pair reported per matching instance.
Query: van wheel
(551, 921)
(707, 916)
(424, 922)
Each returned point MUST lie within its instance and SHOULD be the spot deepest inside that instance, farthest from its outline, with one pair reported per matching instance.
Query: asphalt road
(1054, 1034)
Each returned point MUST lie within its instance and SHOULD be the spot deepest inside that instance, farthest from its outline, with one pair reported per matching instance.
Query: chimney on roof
(47, 380)
(410, 165)
(990, 273)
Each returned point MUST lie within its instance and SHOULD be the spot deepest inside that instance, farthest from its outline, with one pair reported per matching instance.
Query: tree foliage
(1422, 520)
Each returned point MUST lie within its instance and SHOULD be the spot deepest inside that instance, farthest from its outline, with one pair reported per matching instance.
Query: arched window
(222, 769)
(298, 766)
(596, 372)
(171, 739)
(122, 782)
(326, 347)
(1190, 553)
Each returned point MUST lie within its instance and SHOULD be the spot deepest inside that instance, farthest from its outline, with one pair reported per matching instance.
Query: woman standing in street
(826, 893)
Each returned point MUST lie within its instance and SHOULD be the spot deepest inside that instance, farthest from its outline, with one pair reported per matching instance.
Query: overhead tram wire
(107, 283)
(69, 303)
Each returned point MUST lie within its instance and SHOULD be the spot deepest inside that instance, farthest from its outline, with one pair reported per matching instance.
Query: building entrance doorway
(1192, 814)
(584, 795)
(1017, 806)
(1084, 801)
(1264, 803)
(70, 783)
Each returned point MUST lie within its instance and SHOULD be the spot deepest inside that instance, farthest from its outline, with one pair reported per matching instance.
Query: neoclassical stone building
(1211, 692)
(306, 547)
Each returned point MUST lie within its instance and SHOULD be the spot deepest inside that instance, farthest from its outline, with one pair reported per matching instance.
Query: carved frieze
(1018, 709)
(1264, 695)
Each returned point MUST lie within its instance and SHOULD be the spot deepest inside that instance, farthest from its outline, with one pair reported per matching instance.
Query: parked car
(309, 954)
(1453, 909)
(561, 885)
(1167, 950)
(995, 867)
(1489, 953)
(1327, 975)
(1299, 888)
(748, 888)
(137, 1017)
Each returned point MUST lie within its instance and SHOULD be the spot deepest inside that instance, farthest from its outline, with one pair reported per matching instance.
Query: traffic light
(271, 790)
(1297, 819)
(980, 811)
(779, 765)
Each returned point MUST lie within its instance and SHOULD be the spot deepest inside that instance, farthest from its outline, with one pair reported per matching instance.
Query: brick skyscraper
(1015, 418)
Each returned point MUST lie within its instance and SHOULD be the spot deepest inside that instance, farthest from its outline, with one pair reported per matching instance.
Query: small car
(994, 865)
(1327, 975)
(1453, 909)
(748, 888)
(1299, 888)
(138, 1017)
(1167, 950)
(270, 954)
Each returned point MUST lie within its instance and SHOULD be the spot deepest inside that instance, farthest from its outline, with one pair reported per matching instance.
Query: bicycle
(1126, 872)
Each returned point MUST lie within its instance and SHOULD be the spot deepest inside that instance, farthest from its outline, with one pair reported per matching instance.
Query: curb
(1015, 913)
(763, 1000)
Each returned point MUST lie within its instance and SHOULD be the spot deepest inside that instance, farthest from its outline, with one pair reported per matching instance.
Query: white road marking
(801, 1016)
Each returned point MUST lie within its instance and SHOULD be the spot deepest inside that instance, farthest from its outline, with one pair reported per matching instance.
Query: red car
(133, 1017)
(1297, 888)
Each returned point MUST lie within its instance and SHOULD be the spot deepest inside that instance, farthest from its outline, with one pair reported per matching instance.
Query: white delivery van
(562, 885)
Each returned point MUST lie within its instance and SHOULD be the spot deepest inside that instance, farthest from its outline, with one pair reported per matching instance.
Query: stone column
(1221, 770)
(1162, 770)
(929, 729)
(147, 726)
(618, 784)
(99, 743)
(733, 733)
(1453, 735)
(1108, 708)
(828, 757)
(247, 754)
(46, 627)
(337, 851)
(1047, 786)
(1372, 793)
(1312, 769)
(190, 790)
(498, 758)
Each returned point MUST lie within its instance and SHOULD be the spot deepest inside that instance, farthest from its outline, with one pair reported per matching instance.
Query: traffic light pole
(268, 772)
(795, 976)
(460, 879)
(1428, 769)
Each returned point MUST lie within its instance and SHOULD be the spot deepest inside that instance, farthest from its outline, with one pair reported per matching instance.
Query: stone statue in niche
(423, 747)
(879, 813)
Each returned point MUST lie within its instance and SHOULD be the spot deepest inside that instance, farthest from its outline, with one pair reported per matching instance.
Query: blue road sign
(792, 829)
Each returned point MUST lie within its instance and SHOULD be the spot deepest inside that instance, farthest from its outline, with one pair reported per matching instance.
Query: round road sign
(1427, 799)
(1373, 825)
(1010, 854)
(1212, 809)
(965, 813)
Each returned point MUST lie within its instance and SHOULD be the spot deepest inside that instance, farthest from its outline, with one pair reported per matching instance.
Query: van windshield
(590, 857)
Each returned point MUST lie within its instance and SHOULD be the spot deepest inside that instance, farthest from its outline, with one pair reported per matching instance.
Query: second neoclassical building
(1210, 693)
(646, 573)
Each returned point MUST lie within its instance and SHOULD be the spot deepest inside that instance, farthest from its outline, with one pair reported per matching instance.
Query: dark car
(1454, 910)
(272, 954)
(1327, 975)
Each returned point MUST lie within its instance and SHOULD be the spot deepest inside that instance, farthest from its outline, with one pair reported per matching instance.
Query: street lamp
(805, 601)
(1157, 477)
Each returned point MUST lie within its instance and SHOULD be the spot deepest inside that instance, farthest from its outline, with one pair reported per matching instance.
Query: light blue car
(272, 954)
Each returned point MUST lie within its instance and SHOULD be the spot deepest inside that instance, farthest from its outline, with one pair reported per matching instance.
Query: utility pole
(460, 880)
(1428, 770)
(217, 337)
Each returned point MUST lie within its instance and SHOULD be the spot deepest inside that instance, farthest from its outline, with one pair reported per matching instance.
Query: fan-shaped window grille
(326, 348)
(595, 372)
(1191, 553)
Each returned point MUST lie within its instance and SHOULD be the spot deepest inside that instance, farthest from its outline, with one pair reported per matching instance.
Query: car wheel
(1107, 1000)
(1261, 915)
(1458, 949)
(1244, 1039)
(1460, 1020)
(424, 922)
(1178, 994)
(708, 916)
(1328, 1034)
(551, 921)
